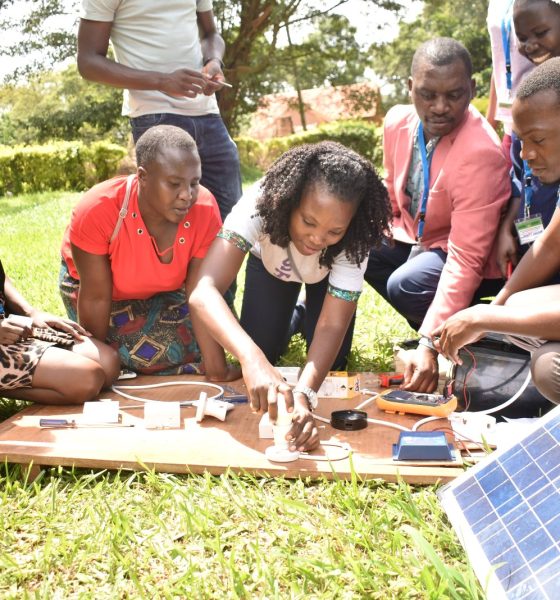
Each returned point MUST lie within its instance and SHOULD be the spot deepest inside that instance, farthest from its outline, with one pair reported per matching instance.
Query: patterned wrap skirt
(153, 336)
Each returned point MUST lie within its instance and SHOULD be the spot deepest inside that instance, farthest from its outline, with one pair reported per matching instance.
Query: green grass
(84, 534)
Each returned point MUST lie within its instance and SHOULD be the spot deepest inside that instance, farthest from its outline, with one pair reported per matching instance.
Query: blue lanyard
(426, 164)
(527, 187)
(506, 36)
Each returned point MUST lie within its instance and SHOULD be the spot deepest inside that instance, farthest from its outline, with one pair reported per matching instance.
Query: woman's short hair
(160, 137)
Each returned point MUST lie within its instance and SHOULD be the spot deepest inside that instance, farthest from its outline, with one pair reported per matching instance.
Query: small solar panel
(506, 511)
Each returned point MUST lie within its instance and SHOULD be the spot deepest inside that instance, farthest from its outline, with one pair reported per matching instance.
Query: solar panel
(506, 511)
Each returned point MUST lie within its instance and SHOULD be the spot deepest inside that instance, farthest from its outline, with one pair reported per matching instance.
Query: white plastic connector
(473, 427)
(281, 452)
(265, 428)
(104, 411)
(290, 374)
(162, 415)
(208, 407)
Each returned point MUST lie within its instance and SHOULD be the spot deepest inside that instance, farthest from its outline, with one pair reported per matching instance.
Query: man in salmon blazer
(448, 183)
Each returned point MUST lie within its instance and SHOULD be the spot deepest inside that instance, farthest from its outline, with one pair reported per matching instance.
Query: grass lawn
(100, 534)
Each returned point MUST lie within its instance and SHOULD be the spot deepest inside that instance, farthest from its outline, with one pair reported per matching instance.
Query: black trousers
(268, 305)
(410, 285)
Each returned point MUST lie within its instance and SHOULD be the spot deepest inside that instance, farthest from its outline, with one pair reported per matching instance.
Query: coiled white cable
(342, 445)
(118, 389)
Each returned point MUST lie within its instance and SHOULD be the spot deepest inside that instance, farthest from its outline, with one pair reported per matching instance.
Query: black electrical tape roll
(349, 420)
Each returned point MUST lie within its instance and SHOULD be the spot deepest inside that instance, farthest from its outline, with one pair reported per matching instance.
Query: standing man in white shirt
(168, 60)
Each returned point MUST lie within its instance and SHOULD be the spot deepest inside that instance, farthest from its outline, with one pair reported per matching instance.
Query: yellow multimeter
(401, 401)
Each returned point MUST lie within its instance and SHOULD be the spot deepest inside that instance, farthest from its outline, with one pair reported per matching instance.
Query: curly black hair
(346, 175)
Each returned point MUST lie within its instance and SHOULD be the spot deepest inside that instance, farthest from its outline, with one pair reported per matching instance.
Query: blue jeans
(410, 285)
(218, 152)
(268, 306)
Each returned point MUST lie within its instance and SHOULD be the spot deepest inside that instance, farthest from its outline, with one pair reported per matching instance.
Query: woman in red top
(132, 249)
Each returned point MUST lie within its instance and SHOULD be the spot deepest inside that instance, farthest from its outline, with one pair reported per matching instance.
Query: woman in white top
(312, 219)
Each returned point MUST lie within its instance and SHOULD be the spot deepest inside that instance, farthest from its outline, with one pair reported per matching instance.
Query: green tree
(463, 21)
(330, 54)
(60, 105)
(46, 33)
(251, 26)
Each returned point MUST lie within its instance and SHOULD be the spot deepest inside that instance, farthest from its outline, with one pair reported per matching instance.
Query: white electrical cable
(343, 445)
(367, 400)
(388, 424)
(376, 421)
(505, 404)
(426, 420)
(118, 389)
(364, 403)
(346, 447)
(319, 418)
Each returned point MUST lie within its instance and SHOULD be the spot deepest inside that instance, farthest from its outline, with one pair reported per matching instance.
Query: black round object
(349, 420)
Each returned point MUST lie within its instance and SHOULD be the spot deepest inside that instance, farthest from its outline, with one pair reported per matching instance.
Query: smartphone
(417, 403)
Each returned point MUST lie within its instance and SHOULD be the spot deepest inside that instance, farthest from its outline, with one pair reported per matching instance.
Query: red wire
(463, 440)
(466, 393)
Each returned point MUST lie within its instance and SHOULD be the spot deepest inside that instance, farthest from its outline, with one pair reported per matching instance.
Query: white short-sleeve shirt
(155, 35)
(243, 227)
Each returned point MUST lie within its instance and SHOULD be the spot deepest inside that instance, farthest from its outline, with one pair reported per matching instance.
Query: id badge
(507, 102)
(529, 229)
(415, 251)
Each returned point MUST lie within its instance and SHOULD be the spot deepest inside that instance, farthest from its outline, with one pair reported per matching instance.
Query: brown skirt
(19, 361)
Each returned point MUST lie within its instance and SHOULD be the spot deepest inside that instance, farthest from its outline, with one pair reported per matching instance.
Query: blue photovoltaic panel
(506, 511)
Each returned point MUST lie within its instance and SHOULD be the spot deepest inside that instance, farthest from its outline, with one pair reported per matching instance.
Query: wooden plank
(211, 446)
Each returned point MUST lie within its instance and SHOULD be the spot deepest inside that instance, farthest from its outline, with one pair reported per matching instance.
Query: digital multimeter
(401, 401)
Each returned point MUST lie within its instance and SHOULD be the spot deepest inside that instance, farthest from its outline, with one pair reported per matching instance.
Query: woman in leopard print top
(31, 369)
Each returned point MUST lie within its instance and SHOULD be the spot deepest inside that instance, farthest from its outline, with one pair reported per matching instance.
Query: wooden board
(211, 446)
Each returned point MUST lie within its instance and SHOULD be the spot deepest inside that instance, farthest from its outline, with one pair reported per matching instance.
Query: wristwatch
(207, 60)
(310, 394)
(426, 341)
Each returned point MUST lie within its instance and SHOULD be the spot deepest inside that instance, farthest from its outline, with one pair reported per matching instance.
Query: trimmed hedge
(57, 166)
(76, 166)
(363, 137)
